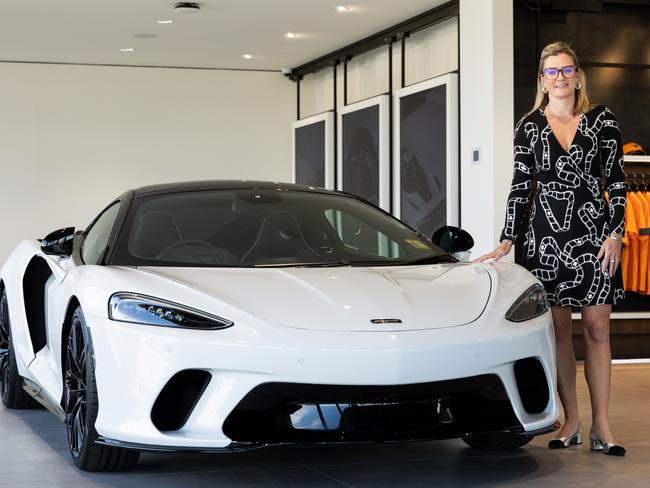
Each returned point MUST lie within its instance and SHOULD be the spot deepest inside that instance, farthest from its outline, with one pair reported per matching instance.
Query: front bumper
(134, 363)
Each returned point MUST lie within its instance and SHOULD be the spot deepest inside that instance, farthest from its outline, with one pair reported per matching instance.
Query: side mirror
(59, 242)
(452, 239)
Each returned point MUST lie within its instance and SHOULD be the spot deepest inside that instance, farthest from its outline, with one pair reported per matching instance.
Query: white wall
(487, 116)
(74, 137)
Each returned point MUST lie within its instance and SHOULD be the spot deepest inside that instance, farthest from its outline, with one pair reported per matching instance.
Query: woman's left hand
(610, 252)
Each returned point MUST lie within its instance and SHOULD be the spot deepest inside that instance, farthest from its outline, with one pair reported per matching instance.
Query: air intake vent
(178, 398)
(532, 385)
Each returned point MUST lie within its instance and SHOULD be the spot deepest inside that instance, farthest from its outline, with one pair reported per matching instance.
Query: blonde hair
(582, 99)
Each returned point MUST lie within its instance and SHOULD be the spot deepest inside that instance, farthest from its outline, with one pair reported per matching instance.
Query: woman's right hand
(498, 253)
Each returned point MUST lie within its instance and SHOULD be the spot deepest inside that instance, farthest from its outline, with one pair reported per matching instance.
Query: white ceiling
(94, 31)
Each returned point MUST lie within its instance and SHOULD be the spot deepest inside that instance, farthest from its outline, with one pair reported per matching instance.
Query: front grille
(290, 412)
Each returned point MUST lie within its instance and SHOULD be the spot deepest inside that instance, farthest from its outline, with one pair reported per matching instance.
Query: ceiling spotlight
(291, 35)
(341, 8)
(165, 21)
(187, 7)
(247, 56)
(127, 49)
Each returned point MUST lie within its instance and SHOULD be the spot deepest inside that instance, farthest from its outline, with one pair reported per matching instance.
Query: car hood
(347, 298)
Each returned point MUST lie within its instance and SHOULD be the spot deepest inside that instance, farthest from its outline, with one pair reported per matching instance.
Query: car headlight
(146, 310)
(530, 304)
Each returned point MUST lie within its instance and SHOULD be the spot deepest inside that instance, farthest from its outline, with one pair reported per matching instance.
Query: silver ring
(612, 260)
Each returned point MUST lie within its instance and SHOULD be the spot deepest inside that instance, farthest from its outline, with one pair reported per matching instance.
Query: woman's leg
(598, 366)
(566, 370)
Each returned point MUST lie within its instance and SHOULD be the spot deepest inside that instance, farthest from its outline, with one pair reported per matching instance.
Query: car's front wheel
(81, 405)
(11, 384)
(497, 440)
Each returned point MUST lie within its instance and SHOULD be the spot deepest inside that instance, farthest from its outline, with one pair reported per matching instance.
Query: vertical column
(486, 114)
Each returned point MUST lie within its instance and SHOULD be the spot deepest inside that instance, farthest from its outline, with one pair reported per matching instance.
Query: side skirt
(41, 396)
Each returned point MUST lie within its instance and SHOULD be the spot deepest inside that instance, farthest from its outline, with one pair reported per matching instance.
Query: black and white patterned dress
(569, 217)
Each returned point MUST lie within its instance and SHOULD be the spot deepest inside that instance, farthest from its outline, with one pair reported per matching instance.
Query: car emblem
(386, 321)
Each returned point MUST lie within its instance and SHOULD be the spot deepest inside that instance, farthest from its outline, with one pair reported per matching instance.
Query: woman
(573, 236)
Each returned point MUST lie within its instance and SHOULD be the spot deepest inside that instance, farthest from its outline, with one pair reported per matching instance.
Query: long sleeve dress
(569, 215)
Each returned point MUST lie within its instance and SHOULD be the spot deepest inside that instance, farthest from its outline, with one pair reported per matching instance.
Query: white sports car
(217, 316)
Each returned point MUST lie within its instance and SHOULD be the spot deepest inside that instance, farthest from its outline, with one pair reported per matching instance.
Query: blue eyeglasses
(567, 72)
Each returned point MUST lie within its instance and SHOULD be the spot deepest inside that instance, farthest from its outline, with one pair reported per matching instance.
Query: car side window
(96, 239)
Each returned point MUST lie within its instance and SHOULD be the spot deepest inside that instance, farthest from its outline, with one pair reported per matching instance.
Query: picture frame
(312, 143)
(363, 163)
(425, 160)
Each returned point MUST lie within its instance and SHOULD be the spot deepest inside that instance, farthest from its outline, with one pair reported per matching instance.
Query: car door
(46, 366)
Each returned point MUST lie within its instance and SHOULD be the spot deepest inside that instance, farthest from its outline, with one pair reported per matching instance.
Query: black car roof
(222, 185)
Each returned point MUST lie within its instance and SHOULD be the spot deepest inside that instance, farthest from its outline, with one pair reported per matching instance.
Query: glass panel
(96, 239)
(310, 154)
(360, 133)
(424, 159)
(264, 228)
(358, 235)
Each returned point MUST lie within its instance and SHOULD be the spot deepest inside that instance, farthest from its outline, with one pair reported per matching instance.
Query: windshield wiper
(314, 264)
(436, 259)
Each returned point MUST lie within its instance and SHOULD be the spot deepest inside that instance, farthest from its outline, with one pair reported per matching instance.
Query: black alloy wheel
(76, 405)
(4, 345)
(80, 402)
(12, 393)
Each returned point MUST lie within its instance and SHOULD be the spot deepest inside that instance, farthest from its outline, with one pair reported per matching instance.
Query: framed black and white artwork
(313, 150)
(363, 150)
(425, 170)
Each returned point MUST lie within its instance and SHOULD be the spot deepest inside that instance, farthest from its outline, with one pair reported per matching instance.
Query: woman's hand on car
(501, 250)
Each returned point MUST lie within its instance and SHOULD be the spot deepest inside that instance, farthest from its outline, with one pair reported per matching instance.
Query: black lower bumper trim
(278, 413)
(233, 447)
(252, 446)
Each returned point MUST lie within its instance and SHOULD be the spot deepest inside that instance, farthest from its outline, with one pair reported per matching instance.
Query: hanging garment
(644, 240)
(646, 196)
(632, 232)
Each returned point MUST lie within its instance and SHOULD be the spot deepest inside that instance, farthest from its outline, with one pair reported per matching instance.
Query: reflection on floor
(33, 453)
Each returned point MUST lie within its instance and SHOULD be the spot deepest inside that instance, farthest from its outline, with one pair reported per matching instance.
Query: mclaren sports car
(227, 315)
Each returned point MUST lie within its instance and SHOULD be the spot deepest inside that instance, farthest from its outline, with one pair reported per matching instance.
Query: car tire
(80, 401)
(11, 384)
(498, 440)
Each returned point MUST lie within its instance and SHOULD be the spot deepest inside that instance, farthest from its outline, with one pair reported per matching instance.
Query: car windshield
(266, 228)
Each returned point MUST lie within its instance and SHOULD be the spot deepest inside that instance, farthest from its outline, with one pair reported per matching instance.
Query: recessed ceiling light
(291, 35)
(341, 8)
(127, 49)
(165, 21)
(187, 7)
(247, 56)
(144, 36)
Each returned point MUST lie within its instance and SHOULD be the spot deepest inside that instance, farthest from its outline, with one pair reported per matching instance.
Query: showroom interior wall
(73, 137)
(479, 45)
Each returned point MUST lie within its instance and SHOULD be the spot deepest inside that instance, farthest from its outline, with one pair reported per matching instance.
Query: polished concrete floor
(33, 453)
